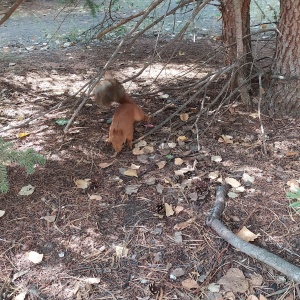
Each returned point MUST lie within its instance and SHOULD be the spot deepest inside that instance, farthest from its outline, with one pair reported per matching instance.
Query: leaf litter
(83, 226)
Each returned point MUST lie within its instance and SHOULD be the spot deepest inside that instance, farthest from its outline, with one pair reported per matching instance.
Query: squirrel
(121, 129)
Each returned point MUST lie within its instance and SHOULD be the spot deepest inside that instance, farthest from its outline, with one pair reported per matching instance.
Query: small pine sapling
(26, 159)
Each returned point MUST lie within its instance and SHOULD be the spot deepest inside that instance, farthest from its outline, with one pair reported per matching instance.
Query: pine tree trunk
(229, 30)
(284, 93)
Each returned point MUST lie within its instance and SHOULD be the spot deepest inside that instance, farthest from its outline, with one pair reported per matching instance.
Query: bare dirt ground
(165, 259)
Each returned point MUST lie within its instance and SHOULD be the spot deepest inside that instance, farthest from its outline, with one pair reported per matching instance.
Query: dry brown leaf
(247, 235)
(183, 225)
(190, 284)
(161, 164)
(178, 161)
(291, 153)
(82, 183)
(184, 170)
(148, 149)
(252, 297)
(95, 197)
(131, 173)
(262, 297)
(27, 190)
(121, 251)
(235, 281)
(169, 210)
(179, 209)
(35, 257)
(137, 151)
(227, 139)
(49, 219)
(233, 182)
(135, 167)
(184, 117)
(256, 280)
(92, 280)
(105, 165)
(182, 138)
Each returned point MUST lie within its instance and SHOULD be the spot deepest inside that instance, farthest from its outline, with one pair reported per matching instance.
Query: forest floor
(141, 235)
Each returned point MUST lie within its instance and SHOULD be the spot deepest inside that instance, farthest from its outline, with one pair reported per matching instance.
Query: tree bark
(284, 93)
(229, 30)
(237, 43)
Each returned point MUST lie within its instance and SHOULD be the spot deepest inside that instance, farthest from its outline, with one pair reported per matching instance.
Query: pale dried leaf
(21, 296)
(137, 151)
(169, 210)
(291, 153)
(82, 183)
(121, 251)
(35, 257)
(178, 161)
(182, 138)
(105, 165)
(193, 196)
(161, 164)
(140, 144)
(262, 297)
(92, 280)
(150, 180)
(256, 280)
(232, 195)
(95, 197)
(135, 167)
(184, 117)
(178, 209)
(247, 235)
(233, 182)
(27, 190)
(159, 188)
(131, 173)
(247, 178)
(214, 287)
(234, 281)
(252, 297)
(216, 158)
(132, 189)
(49, 219)
(227, 139)
(184, 170)
(239, 189)
(172, 145)
(190, 284)
(2, 213)
(148, 149)
(183, 225)
(253, 115)
(213, 175)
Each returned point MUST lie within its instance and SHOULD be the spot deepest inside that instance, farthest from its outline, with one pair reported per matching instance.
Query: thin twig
(263, 135)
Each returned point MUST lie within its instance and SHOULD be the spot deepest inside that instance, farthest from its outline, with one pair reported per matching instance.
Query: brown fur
(121, 129)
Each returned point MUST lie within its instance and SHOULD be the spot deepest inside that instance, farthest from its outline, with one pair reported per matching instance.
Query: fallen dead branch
(272, 260)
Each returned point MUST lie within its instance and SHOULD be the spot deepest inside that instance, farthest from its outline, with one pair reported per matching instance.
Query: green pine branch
(26, 159)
